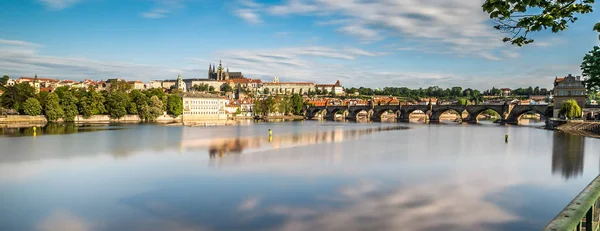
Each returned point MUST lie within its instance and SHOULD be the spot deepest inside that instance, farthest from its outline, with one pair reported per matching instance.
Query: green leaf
(597, 27)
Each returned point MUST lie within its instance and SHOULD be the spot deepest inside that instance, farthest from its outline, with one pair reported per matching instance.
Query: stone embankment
(28, 121)
(590, 129)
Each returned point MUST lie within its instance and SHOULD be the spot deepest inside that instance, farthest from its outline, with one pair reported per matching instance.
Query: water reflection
(53, 129)
(223, 147)
(567, 154)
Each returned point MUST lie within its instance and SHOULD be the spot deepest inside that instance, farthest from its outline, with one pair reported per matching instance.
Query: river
(309, 176)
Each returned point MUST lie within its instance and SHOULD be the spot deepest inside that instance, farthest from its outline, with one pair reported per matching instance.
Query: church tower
(180, 84)
(36, 84)
(220, 74)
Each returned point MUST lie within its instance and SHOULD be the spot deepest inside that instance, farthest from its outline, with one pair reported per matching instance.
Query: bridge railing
(583, 213)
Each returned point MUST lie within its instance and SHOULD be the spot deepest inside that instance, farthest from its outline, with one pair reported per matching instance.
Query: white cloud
(63, 220)
(360, 31)
(21, 58)
(154, 14)
(459, 26)
(162, 8)
(310, 63)
(249, 15)
(58, 4)
(249, 204)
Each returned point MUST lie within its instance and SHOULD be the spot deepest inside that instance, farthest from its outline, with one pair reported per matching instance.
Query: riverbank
(36, 121)
(583, 128)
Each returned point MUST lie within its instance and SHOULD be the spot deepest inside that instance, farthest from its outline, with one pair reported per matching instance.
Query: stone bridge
(509, 113)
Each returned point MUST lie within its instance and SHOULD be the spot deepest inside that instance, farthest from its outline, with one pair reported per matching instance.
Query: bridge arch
(476, 112)
(333, 114)
(378, 113)
(436, 116)
(405, 114)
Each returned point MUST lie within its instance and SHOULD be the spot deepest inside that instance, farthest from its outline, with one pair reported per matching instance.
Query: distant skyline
(376, 43)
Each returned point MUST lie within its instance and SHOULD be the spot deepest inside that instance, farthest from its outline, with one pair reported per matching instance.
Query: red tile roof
(40, 79)
(45, 89)
(288, 83)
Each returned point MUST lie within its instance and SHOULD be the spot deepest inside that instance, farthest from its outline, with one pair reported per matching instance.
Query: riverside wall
(585, 128)
(11, 120)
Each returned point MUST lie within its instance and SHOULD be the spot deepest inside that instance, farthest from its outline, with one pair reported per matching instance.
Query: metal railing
(582, 213)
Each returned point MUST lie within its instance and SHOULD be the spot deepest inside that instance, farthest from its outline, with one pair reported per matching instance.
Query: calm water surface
(309, 176)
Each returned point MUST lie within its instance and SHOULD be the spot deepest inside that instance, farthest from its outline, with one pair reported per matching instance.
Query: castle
(221, 73)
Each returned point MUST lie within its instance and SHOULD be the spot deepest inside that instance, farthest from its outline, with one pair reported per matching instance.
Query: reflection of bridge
(509, 113)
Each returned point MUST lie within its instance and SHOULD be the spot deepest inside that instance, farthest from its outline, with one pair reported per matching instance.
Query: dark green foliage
(69, 106)
(16, 95)
(52, 109)
(227, 88)
(92, 104)
(174, 105)
(297, 103)
(590, 68)
(513, 16)
(32, 107)
(117, 103)
(4, 80)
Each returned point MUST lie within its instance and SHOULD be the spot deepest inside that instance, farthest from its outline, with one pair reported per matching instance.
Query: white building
(204, 108)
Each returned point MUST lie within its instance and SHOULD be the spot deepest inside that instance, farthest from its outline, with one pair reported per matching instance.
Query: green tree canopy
(92, 104)
(16, 95)
(591, 70)
(257, 107)
(117, 103)
(69, 105)
(32, 107)
(570, 109)
(52, 108)
(297, 104)
(174, 105)
(521, 17)
(227, 88)
(4, 80)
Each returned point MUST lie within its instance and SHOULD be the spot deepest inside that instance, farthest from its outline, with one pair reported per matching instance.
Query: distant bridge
(509, 113)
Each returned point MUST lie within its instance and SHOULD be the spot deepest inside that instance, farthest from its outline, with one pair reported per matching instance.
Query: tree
(238, 111)
(174, 105)
(211, 89)
(266, 91)
(120, 86)
(69, 105)
(53, 109)
(92, 104)
(514, 17)
(570, 109)
(297, 103)
(32, 107)
(227, 88)
(257, 107)
(4, 80)
(591, 70)
(463, 102)
(152, 111)
(268, 105)
(16, 95)
(117, 103)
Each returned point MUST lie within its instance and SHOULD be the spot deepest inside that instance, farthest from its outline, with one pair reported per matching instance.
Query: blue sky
(376, 43)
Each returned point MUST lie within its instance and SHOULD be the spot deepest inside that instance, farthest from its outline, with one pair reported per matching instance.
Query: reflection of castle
(226, 146)
(567, 154)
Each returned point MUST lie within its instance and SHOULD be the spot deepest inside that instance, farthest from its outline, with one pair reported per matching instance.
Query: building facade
(569, 87)
(202, 108)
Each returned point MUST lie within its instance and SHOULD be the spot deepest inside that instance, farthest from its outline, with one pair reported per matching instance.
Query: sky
(371, 43)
